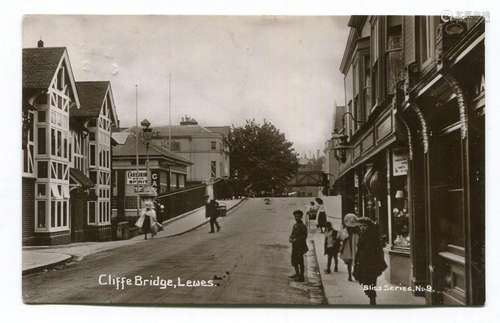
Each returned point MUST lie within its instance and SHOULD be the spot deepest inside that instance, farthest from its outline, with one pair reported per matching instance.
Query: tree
(262, 159)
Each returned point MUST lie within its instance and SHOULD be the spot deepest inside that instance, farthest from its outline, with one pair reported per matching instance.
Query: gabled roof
(40, 65)
(186, 131)
(92, 96)
(128, 148)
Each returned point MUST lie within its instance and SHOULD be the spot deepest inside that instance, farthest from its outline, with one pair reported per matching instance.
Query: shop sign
(135, 177)
(399, 162)
(155, 181)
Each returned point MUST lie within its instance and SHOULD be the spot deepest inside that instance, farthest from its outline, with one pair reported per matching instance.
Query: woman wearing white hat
(349, 236)
(147, 220)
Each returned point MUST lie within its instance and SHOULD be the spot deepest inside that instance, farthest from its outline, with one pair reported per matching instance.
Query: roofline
(70, 73)
(175, 160)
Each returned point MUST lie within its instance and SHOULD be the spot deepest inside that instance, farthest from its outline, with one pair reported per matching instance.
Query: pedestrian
(369, 262)
(211, 212)
(311, 213)
(332, 246)
(147, 220)
(299, 245)
(349, 236)
(321, 214)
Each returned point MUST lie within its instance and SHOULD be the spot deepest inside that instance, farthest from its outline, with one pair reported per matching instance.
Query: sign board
(155, 181)
(399, 162)
(135, 177)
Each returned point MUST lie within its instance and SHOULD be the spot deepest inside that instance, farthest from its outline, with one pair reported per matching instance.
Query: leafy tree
(262, 159)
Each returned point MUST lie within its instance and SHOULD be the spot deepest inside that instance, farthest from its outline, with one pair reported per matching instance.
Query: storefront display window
(399, 198)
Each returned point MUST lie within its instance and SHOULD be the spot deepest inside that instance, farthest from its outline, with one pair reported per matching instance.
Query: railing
(181, 201)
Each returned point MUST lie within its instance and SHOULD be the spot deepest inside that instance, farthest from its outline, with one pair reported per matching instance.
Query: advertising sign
(135, 177)
(399, 162)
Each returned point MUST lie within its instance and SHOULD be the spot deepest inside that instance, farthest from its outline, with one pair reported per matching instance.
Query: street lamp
(147, 134)
(341, 137)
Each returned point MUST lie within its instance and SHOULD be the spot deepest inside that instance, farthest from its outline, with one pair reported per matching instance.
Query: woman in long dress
(369, 262)
(147, 220)
(321, 214)
(349, 237)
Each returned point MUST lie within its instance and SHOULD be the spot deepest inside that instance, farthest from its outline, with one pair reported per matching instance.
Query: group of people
(357, 244)
(317, 212)
(149, 224)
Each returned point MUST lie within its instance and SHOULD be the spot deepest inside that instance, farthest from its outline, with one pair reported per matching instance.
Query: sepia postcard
(215, 160)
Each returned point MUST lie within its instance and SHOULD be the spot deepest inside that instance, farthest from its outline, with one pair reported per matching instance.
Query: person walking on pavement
(147, 220)
(299, 245)
(321, 214)
(349, 236)
(332, 246)
(211, 212)
(369, 262)
(311, 214)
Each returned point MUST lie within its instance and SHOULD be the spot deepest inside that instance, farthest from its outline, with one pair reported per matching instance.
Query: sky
(224, 69)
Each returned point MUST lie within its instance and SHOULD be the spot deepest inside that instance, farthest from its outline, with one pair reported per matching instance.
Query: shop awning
(79, 177)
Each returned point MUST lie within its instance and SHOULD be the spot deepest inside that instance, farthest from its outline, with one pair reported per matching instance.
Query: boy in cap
(299, 245)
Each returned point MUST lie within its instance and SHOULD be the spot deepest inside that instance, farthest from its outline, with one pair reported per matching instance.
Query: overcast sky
(224, 69)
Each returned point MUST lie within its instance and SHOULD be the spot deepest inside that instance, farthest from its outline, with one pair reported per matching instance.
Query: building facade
(414, 89)
(66, 151)
(167, 171)
(49, 92)
(98, 111)
(205, 148)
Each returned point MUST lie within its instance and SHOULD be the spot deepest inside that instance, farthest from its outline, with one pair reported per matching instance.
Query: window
(59, 214)
(53, 142)
(367, 103)
(42, 141)
(65, 147)
(43, 169)
(65, 213)
(176, 146)
(92, 155)
(91, 211)
(53, 214)
(213, 145)
(59, 143)
(41, 190)
(394, 52)
(426, 29)
(40, 217)
(377, 60)
(213, 168)
(42, 116)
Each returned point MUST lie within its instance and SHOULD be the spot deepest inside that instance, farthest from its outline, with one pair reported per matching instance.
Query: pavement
(36, 258)
(339, 291)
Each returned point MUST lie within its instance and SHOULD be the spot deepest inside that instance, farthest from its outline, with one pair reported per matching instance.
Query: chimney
(40, 43)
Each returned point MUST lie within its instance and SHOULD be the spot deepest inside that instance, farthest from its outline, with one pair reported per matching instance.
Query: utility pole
(170, 111)
(137, 150)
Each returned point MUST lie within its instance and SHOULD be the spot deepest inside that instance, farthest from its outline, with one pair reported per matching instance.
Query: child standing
(332, 246)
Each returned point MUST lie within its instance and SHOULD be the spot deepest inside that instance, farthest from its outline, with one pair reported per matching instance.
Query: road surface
(246, 263)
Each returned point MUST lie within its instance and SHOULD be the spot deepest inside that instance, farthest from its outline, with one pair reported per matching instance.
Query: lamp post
(147, 135)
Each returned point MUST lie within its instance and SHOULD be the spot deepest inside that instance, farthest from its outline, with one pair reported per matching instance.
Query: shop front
(374, 181)
(444, 112)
